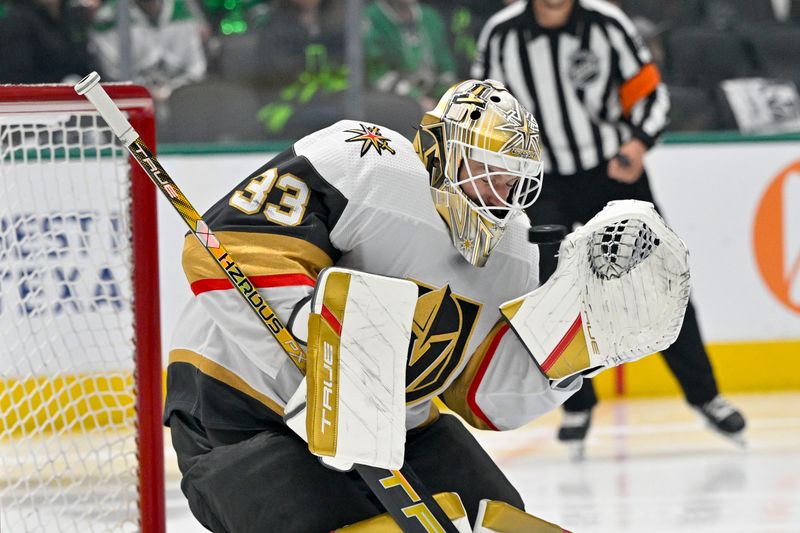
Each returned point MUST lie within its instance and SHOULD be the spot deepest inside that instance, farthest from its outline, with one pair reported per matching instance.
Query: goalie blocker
(619, 293)
(350, 407)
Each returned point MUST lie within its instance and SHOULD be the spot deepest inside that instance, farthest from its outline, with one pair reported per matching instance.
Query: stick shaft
(215, 248)
(91, 88)
(400, 491)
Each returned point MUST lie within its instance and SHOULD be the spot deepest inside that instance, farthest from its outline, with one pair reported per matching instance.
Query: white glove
(619, 293)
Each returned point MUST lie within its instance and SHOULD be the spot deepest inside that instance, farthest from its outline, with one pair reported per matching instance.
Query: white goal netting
(68, 453)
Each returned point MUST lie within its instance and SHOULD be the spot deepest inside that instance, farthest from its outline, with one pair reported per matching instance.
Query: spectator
(581, 66)
(43, 41)
(291, 26)
(464, 19)
(406, 50)
(303, 72)
(166, 44)
(233, 17)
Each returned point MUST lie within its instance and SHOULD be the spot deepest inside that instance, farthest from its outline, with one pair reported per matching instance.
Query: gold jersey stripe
(220, 373)
(258, 254)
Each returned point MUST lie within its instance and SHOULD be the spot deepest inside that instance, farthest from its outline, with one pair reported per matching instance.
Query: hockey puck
(547, 233)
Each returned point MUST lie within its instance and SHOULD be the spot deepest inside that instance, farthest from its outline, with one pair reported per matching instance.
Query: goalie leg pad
(359, 332)
(384, 523)
(500, 517)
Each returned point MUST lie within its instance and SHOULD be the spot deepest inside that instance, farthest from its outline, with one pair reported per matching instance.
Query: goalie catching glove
(619, 293)
(350, 407)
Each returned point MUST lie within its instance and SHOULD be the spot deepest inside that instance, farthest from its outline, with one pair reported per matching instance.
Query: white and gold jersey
(355, 195)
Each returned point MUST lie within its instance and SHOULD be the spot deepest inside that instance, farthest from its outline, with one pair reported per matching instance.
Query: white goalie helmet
(482, 151)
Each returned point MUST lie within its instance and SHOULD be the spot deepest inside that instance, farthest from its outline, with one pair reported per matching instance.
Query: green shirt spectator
(407, 51)
(166, 44)
(43, 41)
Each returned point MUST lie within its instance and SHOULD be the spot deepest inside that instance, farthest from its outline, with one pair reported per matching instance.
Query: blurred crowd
(253, 70)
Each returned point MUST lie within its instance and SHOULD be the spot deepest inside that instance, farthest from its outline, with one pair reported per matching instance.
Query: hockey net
(80, 377)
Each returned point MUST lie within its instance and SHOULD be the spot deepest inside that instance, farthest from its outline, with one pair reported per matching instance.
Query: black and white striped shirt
(591, 84)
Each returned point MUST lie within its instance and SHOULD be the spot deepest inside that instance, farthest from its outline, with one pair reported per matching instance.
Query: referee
(582, 69)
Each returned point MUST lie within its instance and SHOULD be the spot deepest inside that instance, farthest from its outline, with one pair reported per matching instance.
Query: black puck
(547, 233)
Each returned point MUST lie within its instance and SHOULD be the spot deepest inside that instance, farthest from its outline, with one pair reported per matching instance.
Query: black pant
(574, 199)
(270, 481)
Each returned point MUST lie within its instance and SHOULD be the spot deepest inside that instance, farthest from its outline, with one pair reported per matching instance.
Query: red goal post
(80, 353)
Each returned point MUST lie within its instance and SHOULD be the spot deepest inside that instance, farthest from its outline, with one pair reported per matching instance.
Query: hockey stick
(400, 491)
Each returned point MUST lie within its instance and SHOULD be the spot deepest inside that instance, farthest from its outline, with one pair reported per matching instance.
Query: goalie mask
(481, 149)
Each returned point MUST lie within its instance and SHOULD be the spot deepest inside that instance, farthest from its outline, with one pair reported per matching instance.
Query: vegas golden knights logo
(370, 137)
(443, 324)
